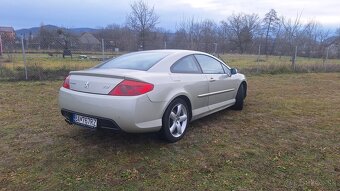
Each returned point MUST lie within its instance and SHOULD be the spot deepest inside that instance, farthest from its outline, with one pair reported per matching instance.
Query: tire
(175, 121)
(239, 98)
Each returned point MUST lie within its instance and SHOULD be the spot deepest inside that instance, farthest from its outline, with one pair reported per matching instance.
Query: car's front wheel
(175, 120)
(239, 98)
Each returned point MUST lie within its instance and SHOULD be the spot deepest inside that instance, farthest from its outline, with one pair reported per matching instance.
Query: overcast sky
(100, 13)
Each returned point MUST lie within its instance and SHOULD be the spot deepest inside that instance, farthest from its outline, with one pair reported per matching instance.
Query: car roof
(170, 51)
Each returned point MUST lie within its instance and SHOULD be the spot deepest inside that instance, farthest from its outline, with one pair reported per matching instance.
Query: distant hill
(35, 30)
(82, 30)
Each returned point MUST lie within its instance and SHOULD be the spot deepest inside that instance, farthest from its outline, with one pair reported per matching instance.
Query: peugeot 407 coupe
(151, 91)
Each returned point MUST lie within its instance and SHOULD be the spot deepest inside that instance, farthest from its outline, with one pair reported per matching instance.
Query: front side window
(186, 65)
(209, 65)
(135, 61)
(226, 70)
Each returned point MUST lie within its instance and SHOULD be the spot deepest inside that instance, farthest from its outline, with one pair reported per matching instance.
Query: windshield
(135, 61)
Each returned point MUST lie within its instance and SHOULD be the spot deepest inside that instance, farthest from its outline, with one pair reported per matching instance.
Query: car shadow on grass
(106, 137)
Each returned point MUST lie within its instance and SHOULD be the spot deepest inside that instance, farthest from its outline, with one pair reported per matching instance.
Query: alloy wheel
(178, 120)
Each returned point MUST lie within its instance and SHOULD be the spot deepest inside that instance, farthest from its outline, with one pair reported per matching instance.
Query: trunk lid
(99, 81)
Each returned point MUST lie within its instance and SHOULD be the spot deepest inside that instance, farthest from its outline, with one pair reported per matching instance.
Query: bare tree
(180, 39)
(189, 31)
(196, 32)
(312, 38)
(142, 19)
(271, 24)
(291, 31)
(116, 36)
(337, 34)
(209, 35)
(46, 37)
(322, 36)
(241, 29)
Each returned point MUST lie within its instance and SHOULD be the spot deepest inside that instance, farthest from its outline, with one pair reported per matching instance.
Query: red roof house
(7, 36)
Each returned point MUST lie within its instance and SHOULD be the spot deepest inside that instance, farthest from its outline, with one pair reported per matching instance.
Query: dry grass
(253, 61)
(48, 62)
(42, 66)
(286, 138)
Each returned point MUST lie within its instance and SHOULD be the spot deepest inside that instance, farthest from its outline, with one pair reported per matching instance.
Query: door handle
(212, 80)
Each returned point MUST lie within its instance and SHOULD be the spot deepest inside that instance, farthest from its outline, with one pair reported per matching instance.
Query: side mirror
(233, 71)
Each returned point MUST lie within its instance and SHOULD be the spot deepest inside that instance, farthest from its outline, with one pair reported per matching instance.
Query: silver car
(150, 91)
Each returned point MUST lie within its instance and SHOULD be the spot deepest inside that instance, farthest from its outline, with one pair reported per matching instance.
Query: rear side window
(186, 65)
(209, 65)
(135, 61)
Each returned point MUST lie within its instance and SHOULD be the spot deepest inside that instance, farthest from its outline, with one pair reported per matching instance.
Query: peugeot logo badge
(87, 84)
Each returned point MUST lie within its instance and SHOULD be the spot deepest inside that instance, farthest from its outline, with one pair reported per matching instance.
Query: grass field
(286, 138)
(44, 67)
(235, 60)
(49, 62)
(247, 61)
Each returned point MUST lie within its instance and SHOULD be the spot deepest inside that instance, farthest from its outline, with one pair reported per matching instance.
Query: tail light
(131, 88)
(66, 83)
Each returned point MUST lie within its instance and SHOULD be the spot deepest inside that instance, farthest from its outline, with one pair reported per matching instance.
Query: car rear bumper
(101, 122)
(135, 114)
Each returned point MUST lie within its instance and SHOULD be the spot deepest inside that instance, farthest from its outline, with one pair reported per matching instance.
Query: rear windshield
(135, 61)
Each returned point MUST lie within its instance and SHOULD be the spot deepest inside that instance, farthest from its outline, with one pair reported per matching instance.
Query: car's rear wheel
(239, 98)
(175, 120)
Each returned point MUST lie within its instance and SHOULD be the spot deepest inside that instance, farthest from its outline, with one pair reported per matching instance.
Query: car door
(188, 74)
(221, 84)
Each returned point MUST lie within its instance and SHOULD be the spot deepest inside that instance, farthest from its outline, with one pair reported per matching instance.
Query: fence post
(103, 49)
(258, 59)
(164, 44)
(0, 45)
(294, 58)
(325, 59)
(24, 55)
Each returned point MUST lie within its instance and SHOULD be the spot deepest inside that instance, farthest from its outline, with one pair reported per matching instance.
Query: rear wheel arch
(183, 97)
(187, 100)
(174, 128)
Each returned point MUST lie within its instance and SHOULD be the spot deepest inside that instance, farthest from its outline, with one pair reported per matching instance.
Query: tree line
(238, 33)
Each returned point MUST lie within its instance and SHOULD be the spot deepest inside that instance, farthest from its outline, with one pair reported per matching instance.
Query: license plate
(85, 121)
